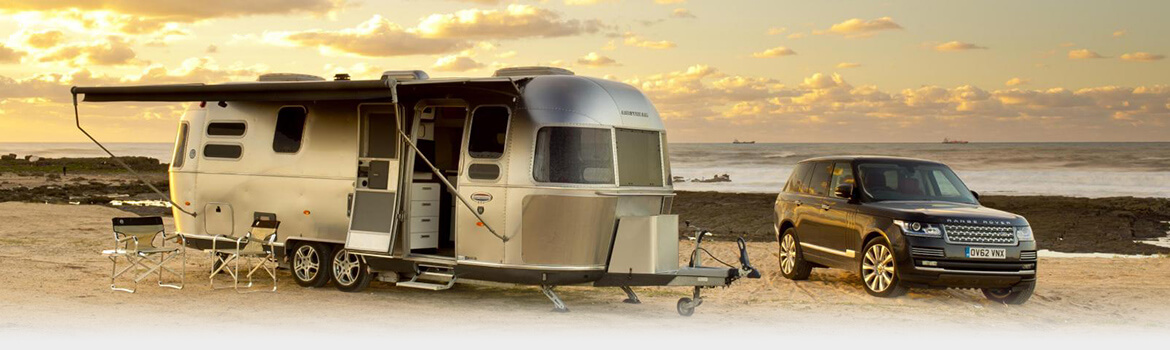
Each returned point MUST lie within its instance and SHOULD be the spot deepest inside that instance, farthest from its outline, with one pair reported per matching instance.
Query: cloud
(1017, 82)
(682, 13)
(1119, 33)
(45, 39)
(456, 63)
(595, 60)
(110, 51)
(667, 2)
(181, 10)
(377, 37)
(777, 30)
(586, 2)
(859, 28)
(1142, 57)
(957, 46)
(846, 65)
(515, 22)
(797, 35)
(1083, 54)
(774, 52)
(8, 55)
(700, 99)
(636, 41)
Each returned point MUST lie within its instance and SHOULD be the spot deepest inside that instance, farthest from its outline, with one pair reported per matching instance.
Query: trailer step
(425, 285)
(444, 276)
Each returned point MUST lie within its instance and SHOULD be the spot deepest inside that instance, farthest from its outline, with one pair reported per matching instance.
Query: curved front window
(573, 155)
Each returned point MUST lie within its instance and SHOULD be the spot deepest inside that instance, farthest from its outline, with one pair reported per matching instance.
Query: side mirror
(975, 194)
(844, 191)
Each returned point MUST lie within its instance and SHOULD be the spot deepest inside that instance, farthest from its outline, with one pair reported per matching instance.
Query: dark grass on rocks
(1066, 224)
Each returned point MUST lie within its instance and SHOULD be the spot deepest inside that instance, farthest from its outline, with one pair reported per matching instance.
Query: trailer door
(374, 212)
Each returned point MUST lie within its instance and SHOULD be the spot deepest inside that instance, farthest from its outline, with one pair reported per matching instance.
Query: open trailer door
(374, 211)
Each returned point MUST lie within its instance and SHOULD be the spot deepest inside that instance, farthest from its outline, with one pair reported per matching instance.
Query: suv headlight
(919, 229)
(1024, 234)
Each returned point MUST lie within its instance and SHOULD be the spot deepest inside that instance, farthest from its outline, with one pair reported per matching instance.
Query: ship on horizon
(948, 140)
(738, 142)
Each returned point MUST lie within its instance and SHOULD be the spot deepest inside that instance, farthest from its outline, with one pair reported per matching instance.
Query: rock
(716, 178)
(10, 156)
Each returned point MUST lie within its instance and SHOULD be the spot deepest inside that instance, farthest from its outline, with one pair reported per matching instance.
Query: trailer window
(639, 158)
(214, 150)
(226, 129)
(573, 155)
(489, 131)
(180, 146)
(290, 129)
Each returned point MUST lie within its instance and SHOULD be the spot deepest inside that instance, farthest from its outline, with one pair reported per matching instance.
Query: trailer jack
(558, 305)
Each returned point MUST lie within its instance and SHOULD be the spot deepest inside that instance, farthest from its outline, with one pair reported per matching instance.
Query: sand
(54, 281)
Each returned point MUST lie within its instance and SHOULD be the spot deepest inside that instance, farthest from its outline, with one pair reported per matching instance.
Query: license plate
(986, 253)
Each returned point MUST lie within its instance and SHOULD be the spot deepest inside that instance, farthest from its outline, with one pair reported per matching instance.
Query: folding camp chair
(134, 242)
(259, 253)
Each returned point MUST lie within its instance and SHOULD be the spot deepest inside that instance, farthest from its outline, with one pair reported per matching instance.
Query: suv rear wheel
(1010, 296)
(879, 272)
(792, 263)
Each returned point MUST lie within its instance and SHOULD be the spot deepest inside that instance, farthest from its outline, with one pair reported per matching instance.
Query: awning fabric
(252, 91)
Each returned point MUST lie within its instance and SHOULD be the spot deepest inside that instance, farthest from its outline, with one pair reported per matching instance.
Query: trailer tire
(311, 264)
(350, 272)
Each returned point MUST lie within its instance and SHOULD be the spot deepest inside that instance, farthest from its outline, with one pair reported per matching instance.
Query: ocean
(1062, 169)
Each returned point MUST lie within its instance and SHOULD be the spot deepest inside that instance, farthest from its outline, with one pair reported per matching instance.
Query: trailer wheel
(350, 272)
(311, 264)
(685, 308)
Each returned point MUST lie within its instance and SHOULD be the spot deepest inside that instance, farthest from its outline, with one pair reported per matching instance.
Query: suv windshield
(912, 181)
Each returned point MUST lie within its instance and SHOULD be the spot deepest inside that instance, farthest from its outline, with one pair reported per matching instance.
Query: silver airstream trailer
(533, 176)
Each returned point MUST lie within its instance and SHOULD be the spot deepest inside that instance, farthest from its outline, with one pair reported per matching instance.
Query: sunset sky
(770, 71)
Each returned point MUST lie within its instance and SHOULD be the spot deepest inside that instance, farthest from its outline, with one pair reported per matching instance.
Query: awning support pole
(450, 187)
(77, 118)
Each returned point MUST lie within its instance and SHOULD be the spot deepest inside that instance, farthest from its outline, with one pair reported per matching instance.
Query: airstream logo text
(481, 197)
(978, 222)
(636, 114)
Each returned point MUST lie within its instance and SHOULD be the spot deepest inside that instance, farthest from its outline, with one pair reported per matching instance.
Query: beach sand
(53, 280)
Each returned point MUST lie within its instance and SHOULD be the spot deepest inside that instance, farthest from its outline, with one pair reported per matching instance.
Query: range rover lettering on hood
(978, 222)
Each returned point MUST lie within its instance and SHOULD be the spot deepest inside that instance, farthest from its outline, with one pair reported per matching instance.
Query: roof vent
(531, 71)
(405, 75)
(289, 77)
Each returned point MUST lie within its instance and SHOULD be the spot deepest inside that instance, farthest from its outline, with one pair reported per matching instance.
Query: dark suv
(901, 223)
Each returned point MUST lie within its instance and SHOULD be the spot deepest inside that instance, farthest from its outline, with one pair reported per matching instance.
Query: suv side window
(842, 175)
(818, 184)
(795, 182)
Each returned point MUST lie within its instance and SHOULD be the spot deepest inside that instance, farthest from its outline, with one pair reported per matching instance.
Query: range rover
(900, 223)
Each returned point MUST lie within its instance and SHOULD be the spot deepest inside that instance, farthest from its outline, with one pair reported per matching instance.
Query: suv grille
(927, 252)
(1028, 255)
(980, 234)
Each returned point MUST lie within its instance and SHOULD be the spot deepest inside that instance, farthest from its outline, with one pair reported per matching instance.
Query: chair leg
(133, 264)
(224, 262)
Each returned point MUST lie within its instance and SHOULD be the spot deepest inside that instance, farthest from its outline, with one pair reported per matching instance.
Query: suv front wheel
(1011, 296)
(879, 272)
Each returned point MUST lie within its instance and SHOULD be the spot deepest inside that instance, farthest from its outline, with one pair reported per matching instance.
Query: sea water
(1062, 169)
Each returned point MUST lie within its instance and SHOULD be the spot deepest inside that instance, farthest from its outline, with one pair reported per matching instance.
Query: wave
(780, 155)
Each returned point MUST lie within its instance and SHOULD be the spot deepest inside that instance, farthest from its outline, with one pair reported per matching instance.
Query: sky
(769, 71)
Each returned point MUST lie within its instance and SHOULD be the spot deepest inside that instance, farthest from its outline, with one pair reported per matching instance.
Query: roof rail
(289, 77)
(531, 71)
(406, 75)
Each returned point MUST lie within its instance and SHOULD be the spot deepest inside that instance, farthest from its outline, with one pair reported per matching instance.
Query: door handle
(825, 206)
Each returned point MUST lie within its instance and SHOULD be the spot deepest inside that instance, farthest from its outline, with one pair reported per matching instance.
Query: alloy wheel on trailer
(310, 265)
(877, 268)
(788, 254)
(350, 273)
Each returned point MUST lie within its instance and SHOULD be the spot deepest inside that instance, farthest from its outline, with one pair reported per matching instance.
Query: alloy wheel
(788, 254)
(877, 268)
(307, 262)
(346, 267)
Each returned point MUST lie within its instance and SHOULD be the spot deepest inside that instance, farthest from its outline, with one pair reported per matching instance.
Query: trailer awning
(252, 91)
